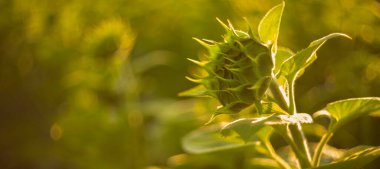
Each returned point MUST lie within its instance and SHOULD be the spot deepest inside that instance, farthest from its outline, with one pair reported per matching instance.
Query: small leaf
(208, 139)
(281, 55)
(344, 111)
(293, 67)
(355, 158)
(269, 25)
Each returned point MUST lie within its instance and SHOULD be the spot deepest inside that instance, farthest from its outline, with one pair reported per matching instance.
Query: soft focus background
(93, 84)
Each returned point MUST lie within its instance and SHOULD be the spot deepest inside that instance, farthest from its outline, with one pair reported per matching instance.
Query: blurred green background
(93, 84)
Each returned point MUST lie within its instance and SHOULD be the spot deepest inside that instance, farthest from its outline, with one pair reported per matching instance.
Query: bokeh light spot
(56, 132)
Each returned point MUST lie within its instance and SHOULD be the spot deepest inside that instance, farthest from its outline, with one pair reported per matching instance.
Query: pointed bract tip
(199, 63)
(230, 24)
(203, 43)
(339, 34)
(224, 25)
(345, 35)
(194, 80)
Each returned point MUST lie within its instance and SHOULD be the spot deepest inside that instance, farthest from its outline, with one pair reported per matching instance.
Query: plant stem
(292, 101)
(296, 130)
(279, 94)
(287, 135)
(298, 139)
(275, 156)
(301, 142)
(318, 151)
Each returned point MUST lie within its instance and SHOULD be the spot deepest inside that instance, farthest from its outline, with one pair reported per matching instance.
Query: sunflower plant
(248, 70)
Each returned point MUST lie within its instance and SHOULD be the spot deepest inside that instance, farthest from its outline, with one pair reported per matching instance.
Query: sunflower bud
(239, 70)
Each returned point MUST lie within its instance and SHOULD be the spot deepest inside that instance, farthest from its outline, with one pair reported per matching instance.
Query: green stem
(297, 138)
(275, 156)
(292, 104)
(296, 130)
(301, 144)
(287, 135)
(318, 151)
(279, 94)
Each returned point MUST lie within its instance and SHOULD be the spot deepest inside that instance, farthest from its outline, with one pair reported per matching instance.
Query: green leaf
(344, 111)
(247, 128)
(209, 139)
(281, 55)
(295, 65)
(269, 25)
(355, 158)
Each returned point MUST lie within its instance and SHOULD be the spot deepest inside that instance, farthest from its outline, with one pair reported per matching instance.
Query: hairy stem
(298, 139)
(301, 142)
(286, 134)
(296, 130)
(292, 101)
(279, 94)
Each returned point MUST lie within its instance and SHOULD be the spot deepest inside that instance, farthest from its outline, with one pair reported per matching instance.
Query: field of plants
(105, 84)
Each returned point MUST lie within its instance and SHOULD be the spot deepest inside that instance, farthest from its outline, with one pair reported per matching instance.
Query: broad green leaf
(208, 139)
(295, 65)
(247, 128)
(355, 158)
(269, 25)
(344, 111)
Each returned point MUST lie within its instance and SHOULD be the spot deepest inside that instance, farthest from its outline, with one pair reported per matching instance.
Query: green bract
(240, 67)
(239, 70)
